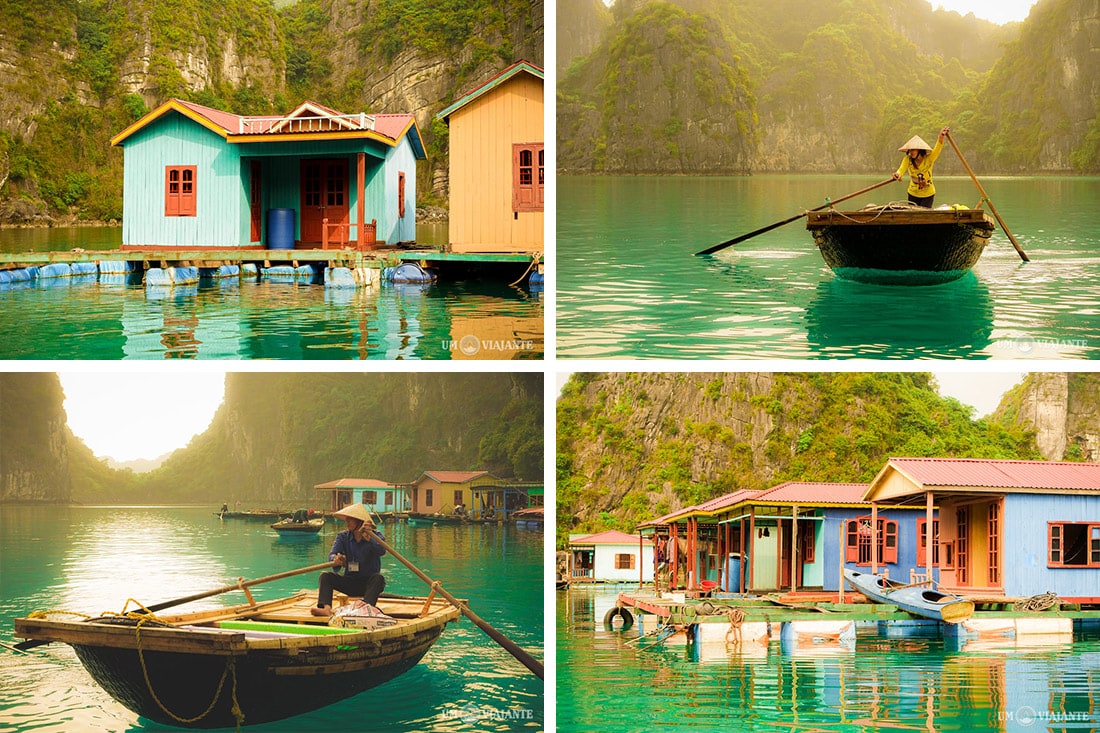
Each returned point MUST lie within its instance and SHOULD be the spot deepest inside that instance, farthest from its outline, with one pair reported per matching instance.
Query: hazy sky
(1002, 11)
(133, 415)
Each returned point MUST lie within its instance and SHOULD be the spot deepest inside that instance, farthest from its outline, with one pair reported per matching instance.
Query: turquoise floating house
(200, 178)
(380, 497)
(793, 537)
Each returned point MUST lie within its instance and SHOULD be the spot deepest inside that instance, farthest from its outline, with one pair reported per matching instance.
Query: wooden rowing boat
(921, 601)
(901, 243)
(268, 660)
(289, 525)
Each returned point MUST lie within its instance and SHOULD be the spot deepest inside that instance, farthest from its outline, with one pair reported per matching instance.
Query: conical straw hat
(354, 511)
(915, 143)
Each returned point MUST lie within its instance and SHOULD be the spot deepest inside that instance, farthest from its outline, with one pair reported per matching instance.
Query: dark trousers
(352, 585)
(925, 201)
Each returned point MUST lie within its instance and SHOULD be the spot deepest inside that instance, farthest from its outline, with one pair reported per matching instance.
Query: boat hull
(265, 686)
(919, 601)
(270, 661)
(904, 246)
(290, 526)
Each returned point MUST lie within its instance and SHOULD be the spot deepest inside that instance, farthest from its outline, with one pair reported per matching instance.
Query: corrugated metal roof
(355, 483)
(455, 477)
(491, 83)
(1001, 474)
(609, 537)
(812, 492)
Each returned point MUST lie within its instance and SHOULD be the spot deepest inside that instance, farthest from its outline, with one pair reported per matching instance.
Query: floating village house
(200, 178)
(1005, 528)
(794, 537)
(496, 168)
(378, 496)
(611, 556)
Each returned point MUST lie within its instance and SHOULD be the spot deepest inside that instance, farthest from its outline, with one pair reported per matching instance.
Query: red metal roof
(355, 483)
(609, 537)
(1001, 474)
(455, 477)
(811, 492)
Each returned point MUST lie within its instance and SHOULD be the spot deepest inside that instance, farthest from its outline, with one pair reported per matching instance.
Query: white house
(611, 556)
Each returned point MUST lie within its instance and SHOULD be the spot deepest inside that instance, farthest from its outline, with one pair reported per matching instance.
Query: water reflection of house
(379, 496)
(612, 556)
(1005, 528)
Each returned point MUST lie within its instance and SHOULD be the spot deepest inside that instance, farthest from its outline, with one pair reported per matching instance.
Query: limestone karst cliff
(633, 446)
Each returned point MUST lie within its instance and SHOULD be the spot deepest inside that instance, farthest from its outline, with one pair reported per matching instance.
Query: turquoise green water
(93, 559)
(630, 287)
(885, 684)
(111, 318)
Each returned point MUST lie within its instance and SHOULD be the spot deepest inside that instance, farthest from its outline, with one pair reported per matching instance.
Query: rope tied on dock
(1036, 604)
(736, 617)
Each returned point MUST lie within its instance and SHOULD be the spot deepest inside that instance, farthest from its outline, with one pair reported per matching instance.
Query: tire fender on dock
(622, 613)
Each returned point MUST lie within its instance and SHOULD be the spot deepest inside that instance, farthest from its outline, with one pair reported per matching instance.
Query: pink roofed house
(611, 556)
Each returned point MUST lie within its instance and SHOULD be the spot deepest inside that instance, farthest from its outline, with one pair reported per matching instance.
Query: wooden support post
(360, 205)
(929, 535)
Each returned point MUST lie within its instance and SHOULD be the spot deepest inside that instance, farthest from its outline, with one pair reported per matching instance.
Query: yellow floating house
(497, 171)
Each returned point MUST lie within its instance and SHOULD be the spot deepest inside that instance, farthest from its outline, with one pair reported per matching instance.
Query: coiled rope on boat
(1034, 604)
(144, 616)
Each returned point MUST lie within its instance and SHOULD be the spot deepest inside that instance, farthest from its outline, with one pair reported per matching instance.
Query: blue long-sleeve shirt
(364, 558)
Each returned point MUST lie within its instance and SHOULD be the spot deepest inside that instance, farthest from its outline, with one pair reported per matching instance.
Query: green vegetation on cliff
(835, 86)
(636, 446)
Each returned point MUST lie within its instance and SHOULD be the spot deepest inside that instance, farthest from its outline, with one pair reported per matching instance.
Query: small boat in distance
(918, 600)
(901, 243)
(292, 526)
(274, 659)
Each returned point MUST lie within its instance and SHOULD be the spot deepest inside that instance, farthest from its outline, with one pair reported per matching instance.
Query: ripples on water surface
(92, 559)
(109, 317)
(885, 684)
(630, 287)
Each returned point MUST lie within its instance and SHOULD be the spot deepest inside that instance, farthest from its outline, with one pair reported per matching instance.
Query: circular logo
(469, 344)
(1025, 345)
(1025, 715)
(471, 713)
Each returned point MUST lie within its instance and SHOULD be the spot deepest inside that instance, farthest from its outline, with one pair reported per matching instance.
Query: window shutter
(851, 545)
(890, 541)
(171, 191)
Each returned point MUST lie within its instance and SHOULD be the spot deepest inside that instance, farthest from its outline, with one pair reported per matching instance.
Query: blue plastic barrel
(733, 570)
(280, 228)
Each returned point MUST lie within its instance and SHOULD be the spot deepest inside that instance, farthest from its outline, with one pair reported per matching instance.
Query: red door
(256, 202)
(324, 196)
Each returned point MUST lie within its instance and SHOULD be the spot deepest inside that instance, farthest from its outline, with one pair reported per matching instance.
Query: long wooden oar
(510, 646)
(31, 643)
(788, 220)
(985, 197)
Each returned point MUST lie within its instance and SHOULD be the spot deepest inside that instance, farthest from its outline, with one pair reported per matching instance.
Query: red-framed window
(994, 523)
(370, 497)
(429, 496)
(528, 176)
(400, 195)
(922, 542)
(858, 536)
(1073, 544)
(180, 190)
(458, 496)
(624, 561)
(962, 544)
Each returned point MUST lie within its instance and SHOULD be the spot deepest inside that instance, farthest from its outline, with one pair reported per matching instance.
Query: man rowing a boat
(918, 162)
(357, 550)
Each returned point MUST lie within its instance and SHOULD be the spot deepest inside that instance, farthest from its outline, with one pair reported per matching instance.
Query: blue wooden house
(1005, 528)
(794, 537)
(380, 497)
(200, 178)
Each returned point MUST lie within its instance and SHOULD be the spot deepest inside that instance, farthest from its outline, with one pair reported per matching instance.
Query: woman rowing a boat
(361, 555)
(918, 162)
